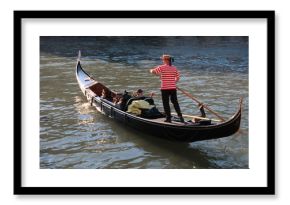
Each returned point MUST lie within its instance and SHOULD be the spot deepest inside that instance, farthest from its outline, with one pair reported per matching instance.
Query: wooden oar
(200, 103)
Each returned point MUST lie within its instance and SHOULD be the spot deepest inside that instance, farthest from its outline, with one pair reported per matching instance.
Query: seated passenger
(123, 100)
(106, 95)
(137, 106)
(118, 101)
(140, 94)
(144, 109)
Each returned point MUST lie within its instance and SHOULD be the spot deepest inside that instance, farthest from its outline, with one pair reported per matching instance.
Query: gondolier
(169, 75)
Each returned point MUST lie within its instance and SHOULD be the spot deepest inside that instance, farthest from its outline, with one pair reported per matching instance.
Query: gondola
(204, 129)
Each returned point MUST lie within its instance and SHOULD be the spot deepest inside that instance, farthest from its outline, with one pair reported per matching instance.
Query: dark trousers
(166, 94)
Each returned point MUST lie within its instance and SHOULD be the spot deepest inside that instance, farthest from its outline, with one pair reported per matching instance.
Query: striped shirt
(169, 75)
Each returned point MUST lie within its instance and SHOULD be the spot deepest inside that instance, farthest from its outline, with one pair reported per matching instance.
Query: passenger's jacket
(136, 106)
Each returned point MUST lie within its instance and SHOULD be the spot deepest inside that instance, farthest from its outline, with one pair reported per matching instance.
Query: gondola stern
(241, 102)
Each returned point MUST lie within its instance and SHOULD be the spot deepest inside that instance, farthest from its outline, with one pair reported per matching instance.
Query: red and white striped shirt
(169, 75)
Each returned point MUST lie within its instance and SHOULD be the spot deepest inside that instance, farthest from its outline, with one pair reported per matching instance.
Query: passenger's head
(104, 93)
(139, 92)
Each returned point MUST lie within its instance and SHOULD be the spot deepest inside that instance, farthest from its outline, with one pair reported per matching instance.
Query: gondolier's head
(168, 59)
(165, 57)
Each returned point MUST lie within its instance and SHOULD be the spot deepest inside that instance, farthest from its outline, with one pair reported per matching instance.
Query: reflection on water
(74, 135)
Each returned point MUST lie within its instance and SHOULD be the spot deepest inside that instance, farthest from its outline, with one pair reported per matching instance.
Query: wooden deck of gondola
(161, 120)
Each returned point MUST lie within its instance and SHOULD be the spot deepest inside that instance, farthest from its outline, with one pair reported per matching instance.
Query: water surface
(74, 136)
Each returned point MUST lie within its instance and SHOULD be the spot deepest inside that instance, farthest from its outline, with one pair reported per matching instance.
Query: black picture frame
(19, 189)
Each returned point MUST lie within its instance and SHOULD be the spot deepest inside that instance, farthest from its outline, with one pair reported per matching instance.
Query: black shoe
(181, 119)
(168, 120)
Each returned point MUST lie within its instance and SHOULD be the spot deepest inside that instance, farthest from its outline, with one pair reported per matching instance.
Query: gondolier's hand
(152, 71)
(200, 105)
